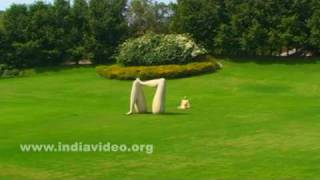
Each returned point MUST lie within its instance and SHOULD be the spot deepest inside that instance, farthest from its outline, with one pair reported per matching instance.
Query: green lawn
(248, 121)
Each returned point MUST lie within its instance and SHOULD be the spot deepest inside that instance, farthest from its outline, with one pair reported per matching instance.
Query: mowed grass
(248, 121)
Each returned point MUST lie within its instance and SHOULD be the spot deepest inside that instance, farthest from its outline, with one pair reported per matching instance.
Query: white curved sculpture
(138, 101)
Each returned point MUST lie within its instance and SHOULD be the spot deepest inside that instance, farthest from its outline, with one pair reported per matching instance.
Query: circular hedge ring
(152, 72)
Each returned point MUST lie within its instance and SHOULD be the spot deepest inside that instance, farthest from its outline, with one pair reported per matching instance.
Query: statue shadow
(167, 114)
(174, 114)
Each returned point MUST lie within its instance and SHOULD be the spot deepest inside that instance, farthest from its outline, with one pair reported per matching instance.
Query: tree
(163, 16)
(16, 22)
(80, 30)
(62, 29)
(146, 15)
(3, 41)
(295, 31)
(1, 19)
(43, 35)
(203, 23)
(252, 27)
(3, 47)
(314, 25)
(225, 41)
(108, 28)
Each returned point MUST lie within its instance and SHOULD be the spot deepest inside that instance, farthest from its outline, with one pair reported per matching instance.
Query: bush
(152, 72)
(7, 71)
(153, 49)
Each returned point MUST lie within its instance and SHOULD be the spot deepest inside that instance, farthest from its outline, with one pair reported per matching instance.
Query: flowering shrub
(154, 49)
(151, 72)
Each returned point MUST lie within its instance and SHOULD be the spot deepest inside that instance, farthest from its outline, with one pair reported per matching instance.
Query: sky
(6, 3)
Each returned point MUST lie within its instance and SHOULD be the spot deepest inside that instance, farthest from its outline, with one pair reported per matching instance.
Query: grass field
(248, 121)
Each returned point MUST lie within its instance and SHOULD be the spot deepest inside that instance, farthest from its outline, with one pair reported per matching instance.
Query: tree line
(49, 34)
(43, 34)
(252, 27)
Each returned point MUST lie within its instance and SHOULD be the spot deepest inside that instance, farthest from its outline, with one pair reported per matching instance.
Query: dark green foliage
(314, 25)
(43, 34)
(107, 28)
(16, 23)
(153, 49)
(253, 27)
(79, 30)
(35, 34)
(4, 45)
(1, 20)
(3, 41)
(7, 71)
(46, 35)
(62, 29)
(199, 18)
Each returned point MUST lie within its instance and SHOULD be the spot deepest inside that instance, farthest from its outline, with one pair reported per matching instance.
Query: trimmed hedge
(152, 72)
(159, 49)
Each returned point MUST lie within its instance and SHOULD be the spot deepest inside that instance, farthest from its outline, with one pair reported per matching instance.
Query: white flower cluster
(155, 49)
(187, 43)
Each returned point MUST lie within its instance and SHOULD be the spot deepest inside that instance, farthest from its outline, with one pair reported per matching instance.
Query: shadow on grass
(164, 114)
(174, 114)
(273, 60)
